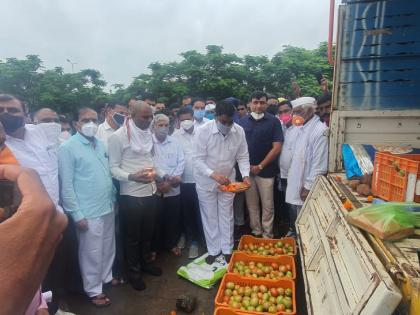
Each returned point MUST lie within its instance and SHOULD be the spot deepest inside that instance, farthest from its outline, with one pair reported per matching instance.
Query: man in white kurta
(310, 154)
(218, 145)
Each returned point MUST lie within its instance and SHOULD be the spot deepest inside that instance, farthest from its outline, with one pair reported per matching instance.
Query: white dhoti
(96, 253)
(216, 210)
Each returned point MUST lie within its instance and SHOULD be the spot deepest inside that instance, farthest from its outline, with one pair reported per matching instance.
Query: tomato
(274, 292)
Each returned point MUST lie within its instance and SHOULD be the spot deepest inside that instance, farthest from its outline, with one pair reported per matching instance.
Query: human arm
(115, 152)
(27, 240)
(242, 157)
(175, 178)
(66, 166)
(319, 162)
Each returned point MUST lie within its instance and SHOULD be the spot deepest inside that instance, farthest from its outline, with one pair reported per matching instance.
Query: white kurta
(104, 132)
(310, 159)
(186, 140)
(214, 152)
(287, 149)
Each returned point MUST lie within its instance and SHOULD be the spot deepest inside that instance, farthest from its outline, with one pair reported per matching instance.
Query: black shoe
(137, 283)
(152, 270)
(227, 257)
(210, 259)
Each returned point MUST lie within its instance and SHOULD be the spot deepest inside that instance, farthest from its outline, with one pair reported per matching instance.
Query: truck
(376, 100)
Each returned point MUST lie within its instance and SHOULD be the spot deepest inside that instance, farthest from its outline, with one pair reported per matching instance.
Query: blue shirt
(260, 135)
(86, 184)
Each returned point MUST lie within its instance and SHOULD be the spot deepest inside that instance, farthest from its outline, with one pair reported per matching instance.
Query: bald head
(142, 114)
(46, 115)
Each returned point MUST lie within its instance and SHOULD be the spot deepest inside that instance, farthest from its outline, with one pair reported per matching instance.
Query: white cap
(210, 107)
(302, 101)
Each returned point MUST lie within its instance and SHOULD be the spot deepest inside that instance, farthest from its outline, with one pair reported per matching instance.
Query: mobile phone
(9, 199)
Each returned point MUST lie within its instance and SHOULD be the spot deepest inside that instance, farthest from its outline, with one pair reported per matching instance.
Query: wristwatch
(260, 167)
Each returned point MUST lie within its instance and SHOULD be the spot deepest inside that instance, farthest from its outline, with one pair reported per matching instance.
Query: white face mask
(257, 116)
(187, 124)
(52, 130)
(64, 135)
(89, 129)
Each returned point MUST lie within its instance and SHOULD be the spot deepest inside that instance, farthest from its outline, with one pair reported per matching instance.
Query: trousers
(261, 191)
(167, 227)
(216, 210)
(190, 213)
(96, 253)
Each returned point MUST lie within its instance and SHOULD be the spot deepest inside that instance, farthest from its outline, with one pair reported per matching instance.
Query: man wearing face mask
(198, 106)
(169, 158)
(310, 153)
(218, 145)
(115, 115)
(264, 137)
(131, 162)
(88, 195)
(48, 120)
(191, 220)
(29, 144)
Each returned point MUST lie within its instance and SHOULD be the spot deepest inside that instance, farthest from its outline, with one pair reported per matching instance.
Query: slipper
(117, 282)
(100, 300)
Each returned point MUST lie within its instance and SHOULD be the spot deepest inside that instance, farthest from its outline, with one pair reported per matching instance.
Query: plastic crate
(391, 175)
(282, 260)
(248, 239)
(225, 311)
(284, 283)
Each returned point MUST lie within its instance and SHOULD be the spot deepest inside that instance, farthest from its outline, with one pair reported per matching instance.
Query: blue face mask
(199, 114)
(209, 115)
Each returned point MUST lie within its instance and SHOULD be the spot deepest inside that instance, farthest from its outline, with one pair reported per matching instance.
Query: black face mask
(118, 119)
(11, 123)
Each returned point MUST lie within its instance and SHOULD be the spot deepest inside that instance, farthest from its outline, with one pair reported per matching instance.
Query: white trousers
(96, 253)
(216, 210)
(261, 190)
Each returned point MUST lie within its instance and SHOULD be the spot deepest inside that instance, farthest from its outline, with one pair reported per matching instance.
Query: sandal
(176, 251)
(117, 282)
(100, 300)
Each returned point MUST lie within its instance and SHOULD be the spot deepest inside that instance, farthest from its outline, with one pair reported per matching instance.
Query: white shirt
(186, 139)
(200, 123)
(104, 132)
(214, 152)
(124, 161)
(310, 159)
(286, 155)
(169, 158)
(35, 152)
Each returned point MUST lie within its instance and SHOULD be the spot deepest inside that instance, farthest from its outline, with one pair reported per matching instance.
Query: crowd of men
(138, 179)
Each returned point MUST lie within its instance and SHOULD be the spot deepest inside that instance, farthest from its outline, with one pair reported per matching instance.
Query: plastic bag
(388, 221)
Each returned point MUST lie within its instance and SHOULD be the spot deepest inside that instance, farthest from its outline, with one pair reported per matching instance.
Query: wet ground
(159, 298)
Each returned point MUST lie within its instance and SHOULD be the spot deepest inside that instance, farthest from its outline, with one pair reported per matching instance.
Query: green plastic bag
(388, 221)
(202, 274)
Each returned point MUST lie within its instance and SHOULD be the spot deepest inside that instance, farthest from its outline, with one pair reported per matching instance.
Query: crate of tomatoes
(267, 247)
(269, 268)
(256, 296)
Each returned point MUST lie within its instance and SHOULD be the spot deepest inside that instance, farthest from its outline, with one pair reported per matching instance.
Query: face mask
(209, 116)
(298, 120)
(187, 124)
(89, 129)
(11, 123)
(257, 116)
(224, 130)
(64, 135)
(285, 118)
(161, 132)
(118, 119)
(52, 130)
(199, 114)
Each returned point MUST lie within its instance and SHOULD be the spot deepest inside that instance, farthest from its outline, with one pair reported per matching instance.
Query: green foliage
(213, 73)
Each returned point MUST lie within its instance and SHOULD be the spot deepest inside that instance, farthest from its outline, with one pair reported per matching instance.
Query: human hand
(82, 225)
(142, 176)
(27, 239)
(324, 85)
(246, 181)
(42, 311)
(220, 179)
(304, 193)
(164, 187)
(174, 180)
(255, 170)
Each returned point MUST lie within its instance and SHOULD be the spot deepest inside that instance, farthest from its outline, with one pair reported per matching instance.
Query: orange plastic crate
(387, 182)
(248, 239)
(282, 260)
(225, 311)
(284, 283)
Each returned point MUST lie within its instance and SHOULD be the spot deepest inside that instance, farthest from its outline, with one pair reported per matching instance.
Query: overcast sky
(121, 38)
